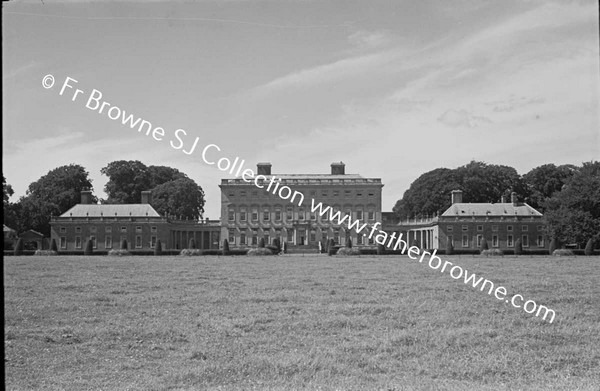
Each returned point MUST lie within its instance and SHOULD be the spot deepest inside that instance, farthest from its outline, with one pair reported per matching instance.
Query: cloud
(369, 39)
(462, 118)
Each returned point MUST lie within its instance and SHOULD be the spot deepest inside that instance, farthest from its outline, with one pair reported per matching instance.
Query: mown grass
(293, 323)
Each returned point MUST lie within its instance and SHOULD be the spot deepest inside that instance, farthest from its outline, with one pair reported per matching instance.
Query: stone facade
(249, 213)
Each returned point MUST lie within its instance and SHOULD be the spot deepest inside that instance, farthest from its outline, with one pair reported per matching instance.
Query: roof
(109, 210)
(31, 232)
(488, 209)
(307, 179)
(8, 229)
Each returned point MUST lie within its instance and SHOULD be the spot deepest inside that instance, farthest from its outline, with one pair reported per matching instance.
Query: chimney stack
(263, 169)
(146, 197)
(338, 168)
(513, 198)
(456, 196)
(86, 197)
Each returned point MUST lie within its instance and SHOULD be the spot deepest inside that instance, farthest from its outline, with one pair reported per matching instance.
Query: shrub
(89, 248)
(563, 253)
(225, 247)
(349, 242)
(589, 247)
(277, 244)
(552, 247)
(284, 248)
(190, 252)
(53, 246)
(118, 253)
(330, 247)
(45, 252)
(260, 251)
(261, 243)
(492, 253)
(416, 243)
(192, 244)
(273, 249)
(484, 245)
(19, 247)
(124, 244)
(158, 248)
(449, 247)
(380, 249)
(348, 251)
(518, 247)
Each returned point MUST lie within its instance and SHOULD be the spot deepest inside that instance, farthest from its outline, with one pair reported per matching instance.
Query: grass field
(297, 323)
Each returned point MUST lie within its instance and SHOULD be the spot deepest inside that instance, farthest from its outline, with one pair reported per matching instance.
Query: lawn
(297, 323)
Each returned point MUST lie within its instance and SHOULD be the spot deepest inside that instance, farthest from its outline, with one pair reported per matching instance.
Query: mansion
(250, 213)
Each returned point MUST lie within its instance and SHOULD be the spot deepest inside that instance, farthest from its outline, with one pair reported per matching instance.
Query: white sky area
(392, 89)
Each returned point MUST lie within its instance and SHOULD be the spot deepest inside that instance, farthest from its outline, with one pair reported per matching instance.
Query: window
(78, 230)
(243, 238)
(277, 214)
(63, 230)
(290, 235)
(525, 240)
(267, 238)
(77, 241)
(93, 229)
(371, 215)
(289, 213)
(509, 228)
(479, 240)
(63, 242)
(524, 228)
(449, 228)
(371, 194)
(124, 238)
(152, 241)
(254, 193)
(494, 240)
(324, 193)
(371, 240)
(231, 194)
(336, 193)
(359, 193)
(540, 228)
(138, 241)
(540, 241)
(450, 240)
(138, 229)
(254, 215)
(232, 236)
(243, 193)
(336, 236)
(108, 241)
(465, 228)
(231, 215)
(108, 229)
(313, 236)
(480, 228)
(323, 237)
(494, 228)
(266, 215)
(153, 229)
(313, 193)
(123, 229)
(359, 215)
(243, 215)
(347, 193)
(509, 241)
(359, 239)
(254, 237)
(301, 215)
(94, 243)
(465, 241)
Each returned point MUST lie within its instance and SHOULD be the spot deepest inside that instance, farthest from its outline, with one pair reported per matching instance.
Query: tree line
(173, 193)
(567, 195)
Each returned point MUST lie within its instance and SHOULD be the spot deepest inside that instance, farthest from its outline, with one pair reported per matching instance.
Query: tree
(181, 197)
(449, 247)
(7, 192)
(89, 248)
(518, 247)
(573, 214)
(52, 194)
(428, 194)
(277, 244)
(124, 244)
(225, 247)
(545, 181)
(331, 247)
(484, 245)
(19, 247)
(192, 243)
(126, 181)
(53, 246)
(553, 246)
(158, 248)
(261, 243)
(589, 247)
(380, 249)
(349, 242)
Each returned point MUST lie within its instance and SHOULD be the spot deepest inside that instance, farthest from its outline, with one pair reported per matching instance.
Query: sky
(391, 88)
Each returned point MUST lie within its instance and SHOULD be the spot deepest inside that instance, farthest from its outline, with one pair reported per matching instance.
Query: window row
(311, 193)
(108, 242)
(107, 229)
(510, 241)
(302, 237)
(290, 214)
(495, 228)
